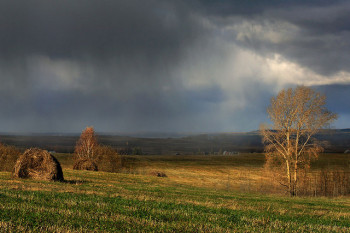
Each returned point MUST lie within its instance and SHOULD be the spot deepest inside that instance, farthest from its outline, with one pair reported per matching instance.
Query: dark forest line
(338, 141)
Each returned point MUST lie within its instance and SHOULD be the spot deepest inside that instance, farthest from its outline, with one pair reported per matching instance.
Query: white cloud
(291, 73)
(264, 30)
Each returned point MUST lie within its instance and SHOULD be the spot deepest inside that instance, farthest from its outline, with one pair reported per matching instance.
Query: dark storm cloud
(157, 65)
(50, 111)
(338, 97)
(324, 41)
(66, 64)
(128, 46)
(98, 29)
(225, 8)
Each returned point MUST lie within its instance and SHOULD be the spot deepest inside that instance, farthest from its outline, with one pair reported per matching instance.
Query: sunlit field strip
(98, 201)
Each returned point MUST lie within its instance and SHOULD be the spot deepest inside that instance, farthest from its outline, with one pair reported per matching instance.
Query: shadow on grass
(74, 181)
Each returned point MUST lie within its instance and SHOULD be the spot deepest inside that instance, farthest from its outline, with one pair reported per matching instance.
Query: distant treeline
(337, 141)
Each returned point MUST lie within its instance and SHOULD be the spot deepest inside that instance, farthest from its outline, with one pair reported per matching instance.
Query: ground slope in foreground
(98, 201)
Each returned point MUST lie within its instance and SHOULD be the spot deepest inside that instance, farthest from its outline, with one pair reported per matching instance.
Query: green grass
(107, 202)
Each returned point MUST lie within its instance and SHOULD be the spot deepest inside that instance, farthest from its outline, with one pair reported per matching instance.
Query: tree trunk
(290, 186)
(295, 177)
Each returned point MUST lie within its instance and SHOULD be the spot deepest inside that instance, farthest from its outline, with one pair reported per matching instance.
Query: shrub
(85, 164)
(326, 182)
(108, 159)
(8, 157)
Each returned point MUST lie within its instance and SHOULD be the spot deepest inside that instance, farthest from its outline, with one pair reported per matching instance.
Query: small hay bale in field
(38, 164)
(85, 164)
(158, 174)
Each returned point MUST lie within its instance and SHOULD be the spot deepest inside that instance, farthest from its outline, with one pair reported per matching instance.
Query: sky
(127, 66)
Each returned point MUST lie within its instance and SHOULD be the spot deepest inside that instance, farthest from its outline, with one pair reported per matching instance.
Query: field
(199, 194)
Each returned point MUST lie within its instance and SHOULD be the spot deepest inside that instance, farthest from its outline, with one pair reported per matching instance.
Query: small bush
(85, 164)
(8, 157)
(334, 183)
(108, 159)
(325, 182)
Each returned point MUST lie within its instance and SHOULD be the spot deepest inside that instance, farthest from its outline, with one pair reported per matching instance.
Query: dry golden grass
(242, 172)
(192, 198)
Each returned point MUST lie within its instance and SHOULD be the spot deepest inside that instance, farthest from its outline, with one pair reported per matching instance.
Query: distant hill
(213, 143)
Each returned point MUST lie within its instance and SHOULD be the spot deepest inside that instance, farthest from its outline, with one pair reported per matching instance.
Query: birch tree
(296, 116)
(86, 145)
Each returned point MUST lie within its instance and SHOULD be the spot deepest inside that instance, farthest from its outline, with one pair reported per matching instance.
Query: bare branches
(297, 114)
(86, 145)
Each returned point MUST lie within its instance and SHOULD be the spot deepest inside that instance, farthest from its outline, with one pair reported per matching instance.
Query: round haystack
(85, 164)
(38, 164)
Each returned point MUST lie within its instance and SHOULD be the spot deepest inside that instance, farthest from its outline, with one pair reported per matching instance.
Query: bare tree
(296, 115)
(86, 145)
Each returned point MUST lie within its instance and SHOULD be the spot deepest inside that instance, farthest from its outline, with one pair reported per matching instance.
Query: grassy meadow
(199, 194)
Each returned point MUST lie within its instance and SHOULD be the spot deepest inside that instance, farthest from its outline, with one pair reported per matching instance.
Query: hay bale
(38, 164)
(85, 164)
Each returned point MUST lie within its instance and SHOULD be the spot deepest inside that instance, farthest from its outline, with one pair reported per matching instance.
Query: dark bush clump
(8, 157)
(108, 159)
(85, 164)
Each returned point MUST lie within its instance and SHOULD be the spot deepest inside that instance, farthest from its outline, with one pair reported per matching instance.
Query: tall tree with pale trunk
(87, 144)
(296, 115)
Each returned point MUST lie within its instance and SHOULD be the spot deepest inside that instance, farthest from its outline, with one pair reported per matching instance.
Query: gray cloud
(98, 29)
(134, 65)
(337, 97)
(319, 36)
(93, 45)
